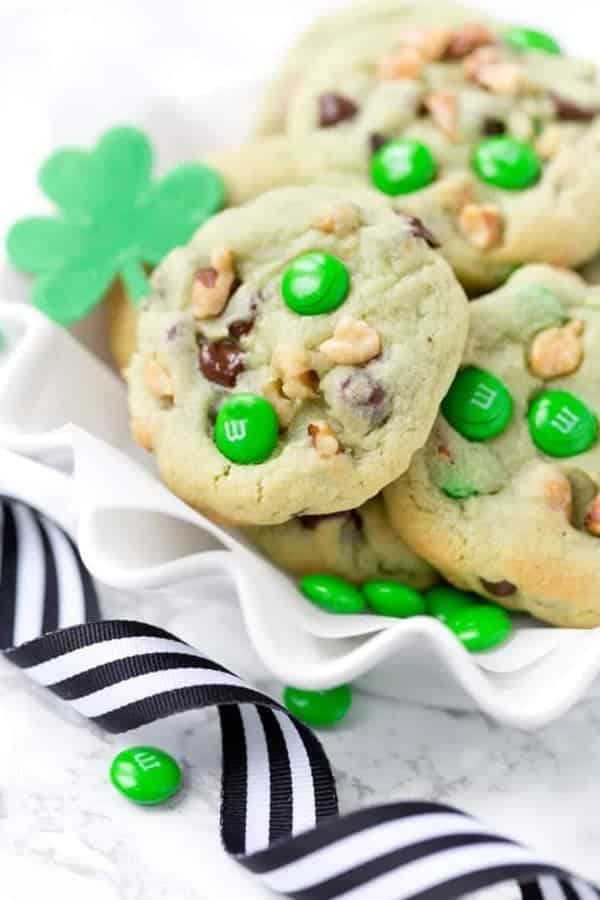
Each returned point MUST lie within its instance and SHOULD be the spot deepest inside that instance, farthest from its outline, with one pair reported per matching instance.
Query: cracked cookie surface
(338, 321)
(504, 497)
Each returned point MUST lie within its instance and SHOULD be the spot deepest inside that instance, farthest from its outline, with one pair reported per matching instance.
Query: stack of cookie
(309, 367)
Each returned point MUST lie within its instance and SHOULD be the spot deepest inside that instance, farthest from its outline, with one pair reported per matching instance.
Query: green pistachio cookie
(504, 499)
(358, 545)
(292, 357)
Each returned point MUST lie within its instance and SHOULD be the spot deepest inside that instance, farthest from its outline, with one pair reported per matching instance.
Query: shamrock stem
(135, 280)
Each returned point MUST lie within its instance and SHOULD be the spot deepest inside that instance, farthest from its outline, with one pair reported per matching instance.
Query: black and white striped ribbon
(279, 815)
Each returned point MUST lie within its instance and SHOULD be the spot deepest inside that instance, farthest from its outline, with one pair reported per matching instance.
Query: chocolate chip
(376, 141)
(419, 230)
(335, 108)
(221, 361)
(363, 392)
(171, 332)
(207, 277)
(569, 111)
(492, 127)
(499, 588)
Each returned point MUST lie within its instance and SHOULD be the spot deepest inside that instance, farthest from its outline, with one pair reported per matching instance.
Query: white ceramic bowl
(66, 448)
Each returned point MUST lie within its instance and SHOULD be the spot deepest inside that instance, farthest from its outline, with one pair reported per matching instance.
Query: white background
(67, 71)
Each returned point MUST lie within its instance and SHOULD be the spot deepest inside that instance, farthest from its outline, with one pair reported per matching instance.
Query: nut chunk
(354, 342)
(341, 220)
(592, 517)
(557, 351)
(285, 409)
(408, 62)
(482, 225)
(157, 380)
(214, 286)
(299, 381)
(443, 107)
(324, 440)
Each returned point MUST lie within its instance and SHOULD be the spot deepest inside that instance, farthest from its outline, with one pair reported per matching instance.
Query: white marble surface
(69, 68)
(64, 830)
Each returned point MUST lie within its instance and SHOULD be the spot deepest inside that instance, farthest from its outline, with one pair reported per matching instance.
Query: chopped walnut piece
(484, 56)
(431, 43)
(324, 440)
(213, 286)
(505, 78)
(521, 125)
(548, 143)
(443, 107)
(157, 380)
(340, 220)
(557, 351)
(482, 225)
(354, 342)
(467, 39)
(299, 380)
(407, 62)
(142, 431)
(592, 517)
(558, 494)
(285, 408)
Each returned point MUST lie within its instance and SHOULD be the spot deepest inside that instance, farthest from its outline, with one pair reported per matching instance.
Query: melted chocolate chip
(221, 361)
(492, 126)
(569, 111)
(207, 277)
(376, 141)
(364, 393)
(335, 108)
(171, 333)
(419, 230)
(499, 588)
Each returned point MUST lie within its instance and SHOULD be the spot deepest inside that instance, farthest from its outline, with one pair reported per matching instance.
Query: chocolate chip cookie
(358, 545)
(292, 357)
(504, 499)
(326, 31)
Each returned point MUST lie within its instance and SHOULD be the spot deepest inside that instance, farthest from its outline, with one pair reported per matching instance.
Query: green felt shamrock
(114, 221)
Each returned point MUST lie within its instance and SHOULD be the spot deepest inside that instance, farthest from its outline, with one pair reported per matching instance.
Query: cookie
(504, 498)
(292, 357)
(358, 545)
(326, 31)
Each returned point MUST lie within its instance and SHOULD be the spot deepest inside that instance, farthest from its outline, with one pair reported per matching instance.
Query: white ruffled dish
(66, 448)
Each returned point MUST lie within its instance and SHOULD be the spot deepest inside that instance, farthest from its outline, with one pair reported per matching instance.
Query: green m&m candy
(402, 166)
(315, 283)
(332, 593)
(562, 425)
(481, 626)
(478, 405)
(444, 602)
(525, 39)
(318, 708)
(505, 162)
(246, 429)
(145, 775)
(478, 625)
(389, 598)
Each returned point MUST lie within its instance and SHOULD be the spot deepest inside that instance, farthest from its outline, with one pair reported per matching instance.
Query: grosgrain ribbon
(279, 814)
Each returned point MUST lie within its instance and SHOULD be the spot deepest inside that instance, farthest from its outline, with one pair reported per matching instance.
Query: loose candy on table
(319, 708)
(561, 425)
(507, 163)
(333, 593)
(114, 221)
(315, 283)
(145, 775)
(390, 598)
(527, 39)
(246, 429)
(478, 405)
(402, 166)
